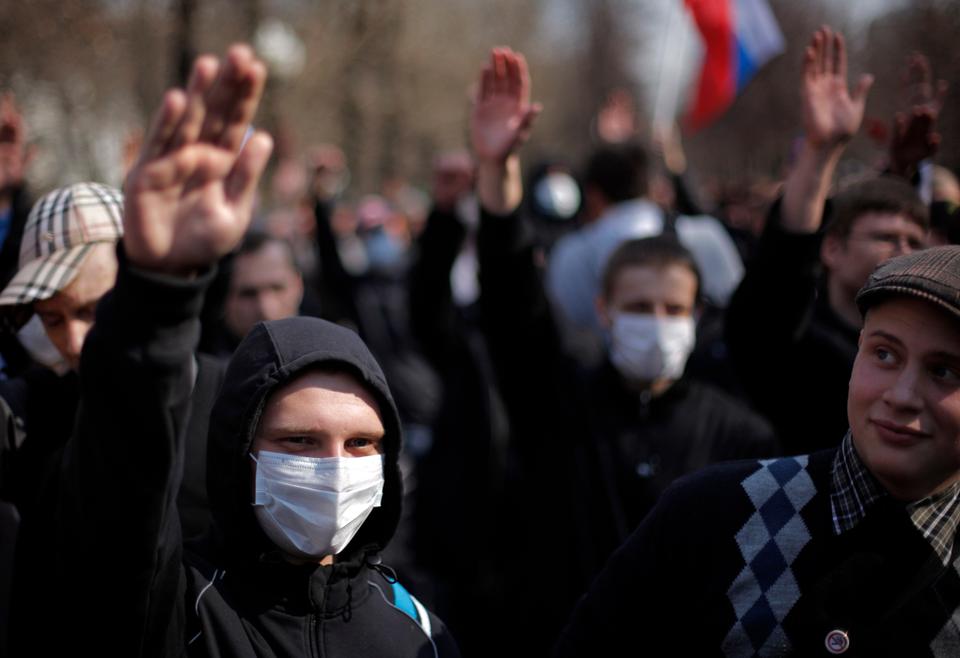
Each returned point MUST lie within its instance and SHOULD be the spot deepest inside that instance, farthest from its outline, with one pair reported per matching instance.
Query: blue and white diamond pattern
(947, 641)
(765, 590)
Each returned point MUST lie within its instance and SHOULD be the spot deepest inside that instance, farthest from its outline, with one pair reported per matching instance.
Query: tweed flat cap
(932, 274)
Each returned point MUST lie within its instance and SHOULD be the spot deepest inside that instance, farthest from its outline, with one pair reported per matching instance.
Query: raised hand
(453, 175)
(330, 173)
(617, 118)
(915, 137)
(502, 114)
(831, 113)
(14, 154)
(668, 144)
(189, 198)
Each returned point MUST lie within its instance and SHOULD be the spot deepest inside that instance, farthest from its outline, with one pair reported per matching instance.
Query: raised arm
(15, 155)
(188, 202)
(190, 196)
(915, 137)
(433, 314)
(500, 123)
(831, 117)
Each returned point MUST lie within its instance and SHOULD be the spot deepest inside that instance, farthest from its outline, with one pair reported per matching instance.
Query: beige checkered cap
(60, 230)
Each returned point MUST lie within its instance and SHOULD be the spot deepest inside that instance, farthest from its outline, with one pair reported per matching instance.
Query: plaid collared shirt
(854, 490)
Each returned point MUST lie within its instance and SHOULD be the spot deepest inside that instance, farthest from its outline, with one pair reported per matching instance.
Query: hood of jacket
(273, 354)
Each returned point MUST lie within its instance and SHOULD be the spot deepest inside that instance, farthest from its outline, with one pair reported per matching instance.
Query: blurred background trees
(387, 80)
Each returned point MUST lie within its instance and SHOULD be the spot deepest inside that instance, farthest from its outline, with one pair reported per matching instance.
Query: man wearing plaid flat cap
(851, 550)
(67, 263)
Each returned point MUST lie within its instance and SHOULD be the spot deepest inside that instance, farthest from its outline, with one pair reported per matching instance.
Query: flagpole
(666, 96)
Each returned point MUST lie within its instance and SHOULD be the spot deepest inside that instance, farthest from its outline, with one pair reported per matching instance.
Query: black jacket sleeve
(433, 316)
(334, 284)
(536, 378)
(773, 307)
(122, 468)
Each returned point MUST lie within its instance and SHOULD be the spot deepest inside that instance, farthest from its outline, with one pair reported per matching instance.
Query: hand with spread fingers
(502, 113)
(189, 198)
(14, 153)
(500, 124)
(915, 137)
(453, 175)
(831, 113)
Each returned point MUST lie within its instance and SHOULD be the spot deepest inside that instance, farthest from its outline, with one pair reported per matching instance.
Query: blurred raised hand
(15, 155)
(328, 167)
(914, 137)
(617, 118)
(500, 122)
(502, 114)
(453, 176)
(189, 197)
(832, 113)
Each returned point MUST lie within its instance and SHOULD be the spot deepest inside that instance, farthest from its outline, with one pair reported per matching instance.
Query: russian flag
(739, 37)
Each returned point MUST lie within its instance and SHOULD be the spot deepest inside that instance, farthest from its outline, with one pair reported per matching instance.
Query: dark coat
(593, 453)
(232, 594)
(790, 349)
(741, 559)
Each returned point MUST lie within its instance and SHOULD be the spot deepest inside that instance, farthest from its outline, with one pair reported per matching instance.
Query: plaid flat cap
(932, 274)
(60, 230)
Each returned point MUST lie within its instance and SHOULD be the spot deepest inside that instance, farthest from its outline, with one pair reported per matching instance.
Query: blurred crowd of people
(557, 343)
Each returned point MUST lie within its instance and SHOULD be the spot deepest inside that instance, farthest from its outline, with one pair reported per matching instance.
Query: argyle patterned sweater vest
(876, 590)
(741, 559)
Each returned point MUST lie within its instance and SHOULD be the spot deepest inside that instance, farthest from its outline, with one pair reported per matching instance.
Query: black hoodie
(139, 591)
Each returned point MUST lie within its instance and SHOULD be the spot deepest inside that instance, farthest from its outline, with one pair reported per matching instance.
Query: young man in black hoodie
(303, 479)
(595, 450)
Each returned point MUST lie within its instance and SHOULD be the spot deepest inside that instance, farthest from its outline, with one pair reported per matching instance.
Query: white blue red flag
(739, 37)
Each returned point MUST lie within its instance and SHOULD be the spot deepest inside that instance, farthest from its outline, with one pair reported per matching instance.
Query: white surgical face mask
(312, 507)
(647, 348)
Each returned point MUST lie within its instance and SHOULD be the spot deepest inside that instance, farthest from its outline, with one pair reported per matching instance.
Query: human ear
(603, 312)
(830, 250)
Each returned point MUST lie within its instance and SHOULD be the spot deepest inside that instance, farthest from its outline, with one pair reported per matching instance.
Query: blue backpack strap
(405, 602)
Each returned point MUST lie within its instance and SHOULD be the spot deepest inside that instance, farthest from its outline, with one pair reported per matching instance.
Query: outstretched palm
(831, 114)
(190, 196)
(14, 154)
(502, 114)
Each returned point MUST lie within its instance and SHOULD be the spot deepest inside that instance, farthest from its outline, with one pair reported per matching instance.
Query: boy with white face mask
(595, 449)
(647, 306)
(303, 476)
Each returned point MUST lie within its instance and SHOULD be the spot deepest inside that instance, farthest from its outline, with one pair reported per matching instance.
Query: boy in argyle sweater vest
(841, 552)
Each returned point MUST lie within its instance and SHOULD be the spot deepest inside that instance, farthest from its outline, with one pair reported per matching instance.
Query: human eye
(297, 442)
(945, 374)
(50, 320)
(363, 445)
(87, 313)
(677, 310)
(884, 356)
(887, 239)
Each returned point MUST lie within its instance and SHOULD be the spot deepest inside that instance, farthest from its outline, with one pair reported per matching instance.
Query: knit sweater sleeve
(123, 466)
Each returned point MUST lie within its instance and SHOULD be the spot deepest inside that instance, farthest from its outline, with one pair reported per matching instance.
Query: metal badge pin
(837, 642)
